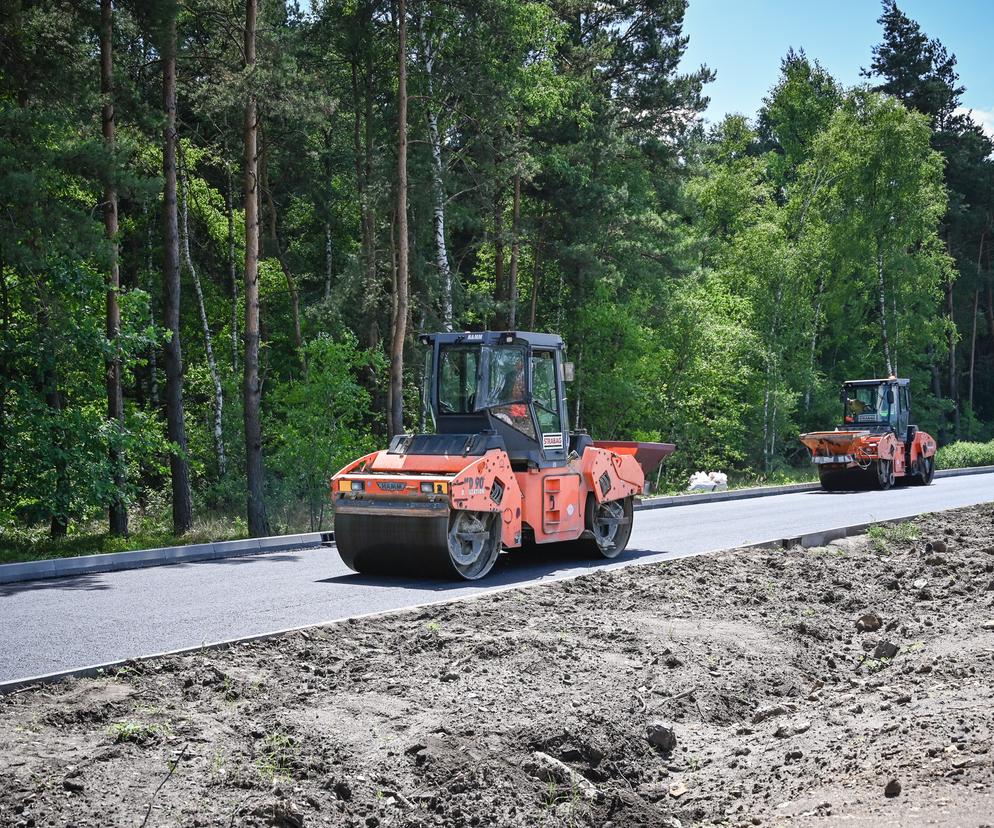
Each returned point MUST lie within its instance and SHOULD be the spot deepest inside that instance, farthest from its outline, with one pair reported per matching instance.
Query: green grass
(34, 544)
(275, 759)
(882, 535)
(964, 454)
(131, 731)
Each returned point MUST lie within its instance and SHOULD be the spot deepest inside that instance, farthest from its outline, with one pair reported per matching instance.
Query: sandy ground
(843, 685)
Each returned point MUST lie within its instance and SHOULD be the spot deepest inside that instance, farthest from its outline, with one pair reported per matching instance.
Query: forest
(223, 224)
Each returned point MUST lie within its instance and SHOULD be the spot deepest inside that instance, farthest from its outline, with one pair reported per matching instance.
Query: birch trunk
(208, 340)
(437, 185)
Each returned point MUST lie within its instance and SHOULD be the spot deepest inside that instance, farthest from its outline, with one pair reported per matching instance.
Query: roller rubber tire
(884, 474)
(924, 478)
(598, 540)
(831, 481)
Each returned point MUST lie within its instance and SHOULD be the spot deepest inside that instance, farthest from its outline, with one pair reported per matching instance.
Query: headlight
(427, 488)
(358, 485)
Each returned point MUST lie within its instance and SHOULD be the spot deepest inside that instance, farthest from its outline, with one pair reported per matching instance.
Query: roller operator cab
(494, 467)
(876, 443)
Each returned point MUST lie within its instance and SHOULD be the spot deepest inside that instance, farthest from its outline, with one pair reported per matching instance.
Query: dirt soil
(848, 684)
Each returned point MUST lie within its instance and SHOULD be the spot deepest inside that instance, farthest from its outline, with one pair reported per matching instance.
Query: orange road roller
(875, 446)
(500, 469)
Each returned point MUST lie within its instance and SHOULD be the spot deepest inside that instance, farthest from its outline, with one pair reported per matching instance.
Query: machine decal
(552, 441)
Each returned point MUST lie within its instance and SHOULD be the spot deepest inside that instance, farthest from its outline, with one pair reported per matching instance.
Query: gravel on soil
(847, 684)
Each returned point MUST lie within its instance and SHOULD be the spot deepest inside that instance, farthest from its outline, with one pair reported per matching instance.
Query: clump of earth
(850, 683)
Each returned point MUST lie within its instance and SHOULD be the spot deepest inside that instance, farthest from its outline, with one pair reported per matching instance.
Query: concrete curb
(812, 539)
(163, 556)
(769, 491)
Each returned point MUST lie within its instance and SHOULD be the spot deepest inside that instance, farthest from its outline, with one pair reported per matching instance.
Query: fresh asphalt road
(61, 624)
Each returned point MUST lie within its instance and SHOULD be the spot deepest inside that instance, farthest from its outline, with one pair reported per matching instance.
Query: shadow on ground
(89, 583)
(516, 567)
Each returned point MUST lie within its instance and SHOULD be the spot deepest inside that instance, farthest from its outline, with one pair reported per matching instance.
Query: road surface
(62, 624)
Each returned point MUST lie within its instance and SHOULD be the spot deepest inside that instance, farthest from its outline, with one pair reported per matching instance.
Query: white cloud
(983, 117)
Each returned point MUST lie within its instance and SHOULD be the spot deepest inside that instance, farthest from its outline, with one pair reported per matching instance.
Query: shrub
(964, 454)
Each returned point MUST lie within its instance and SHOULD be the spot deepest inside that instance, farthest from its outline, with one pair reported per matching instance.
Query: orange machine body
(551, 502)
(876, 442)
(859, 449)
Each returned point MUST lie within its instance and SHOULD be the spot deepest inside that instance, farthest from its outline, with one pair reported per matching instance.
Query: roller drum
(417, 540)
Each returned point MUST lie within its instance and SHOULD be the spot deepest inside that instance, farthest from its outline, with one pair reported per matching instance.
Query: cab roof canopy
(894, 380)
(542, 340)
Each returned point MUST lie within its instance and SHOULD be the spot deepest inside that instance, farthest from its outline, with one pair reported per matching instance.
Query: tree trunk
(512, 275)
(536, 275)
(990, 313)
(258, 525)
(6, 367)
(882, 307)
(362, 138)
(400, 308)
(814, 341)
(953, 374)
(118, 510)
(59, 524)
(173, 358)
(291, 283)
(973, 343)
(976, 313)
(577, 383)
(438, 187)
(500, 289)
(327, 260)
(232, 270)
(208, 340)
(153, 368)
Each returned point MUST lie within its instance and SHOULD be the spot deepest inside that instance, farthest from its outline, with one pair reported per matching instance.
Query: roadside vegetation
(963, 454)
(36, 543)
(714, 282)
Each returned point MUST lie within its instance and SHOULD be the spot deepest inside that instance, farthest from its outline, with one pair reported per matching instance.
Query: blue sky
(743, 40)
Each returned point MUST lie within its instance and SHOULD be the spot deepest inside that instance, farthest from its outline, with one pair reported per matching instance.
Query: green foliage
(318, 424)
(714, 287)
(964, 454)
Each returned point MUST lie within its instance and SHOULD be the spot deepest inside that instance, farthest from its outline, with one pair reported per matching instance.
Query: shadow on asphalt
(261, 557)
(89, 583)
(95, 582)
(512, 568)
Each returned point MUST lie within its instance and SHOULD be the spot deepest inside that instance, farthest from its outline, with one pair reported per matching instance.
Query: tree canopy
(539, 164)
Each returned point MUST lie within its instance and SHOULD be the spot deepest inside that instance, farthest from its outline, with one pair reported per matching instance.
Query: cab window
(507, 390)
(457, 376)
(546, 395)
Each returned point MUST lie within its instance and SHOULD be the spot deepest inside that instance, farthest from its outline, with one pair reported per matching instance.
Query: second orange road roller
(499, 470)
(876, 444)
